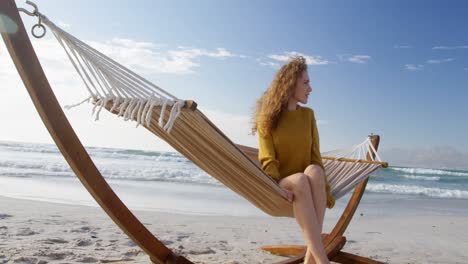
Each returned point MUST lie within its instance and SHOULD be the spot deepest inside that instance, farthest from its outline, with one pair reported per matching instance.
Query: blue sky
(395, 68)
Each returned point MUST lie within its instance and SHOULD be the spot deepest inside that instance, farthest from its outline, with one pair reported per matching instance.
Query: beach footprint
(132, 253)
(4, 216)
(57, 255)
(167, 242)
(201, 251)
(223, 245)
(52, 241)
(182, 236)
(87, 260)
(52, 255)
(129, 243)
(25, 260)
(26, 232)
(123, 260)
(3, 231)
(83, 229)
(83, 242)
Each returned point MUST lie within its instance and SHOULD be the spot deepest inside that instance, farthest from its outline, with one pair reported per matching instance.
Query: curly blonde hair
(275, 99)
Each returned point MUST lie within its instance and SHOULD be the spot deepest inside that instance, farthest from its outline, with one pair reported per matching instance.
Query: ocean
(167, 181)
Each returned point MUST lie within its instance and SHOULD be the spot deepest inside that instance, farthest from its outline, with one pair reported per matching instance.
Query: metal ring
(40, 26)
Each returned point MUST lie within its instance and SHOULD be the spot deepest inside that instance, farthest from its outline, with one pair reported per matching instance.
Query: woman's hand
(289, 194)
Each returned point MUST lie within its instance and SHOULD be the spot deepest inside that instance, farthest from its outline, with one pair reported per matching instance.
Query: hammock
(113, 87)
(119, 90)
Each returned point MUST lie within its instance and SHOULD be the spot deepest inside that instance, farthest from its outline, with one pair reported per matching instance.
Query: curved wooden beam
(355, 199)
(30, 70)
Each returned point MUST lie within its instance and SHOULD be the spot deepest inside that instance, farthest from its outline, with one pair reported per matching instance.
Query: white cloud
(147, 57)
(402, 47)
(270, 64)
(190, 53)
(439, 61)
(414, 67)
(361, 59)
(310, 59)
(450, 47)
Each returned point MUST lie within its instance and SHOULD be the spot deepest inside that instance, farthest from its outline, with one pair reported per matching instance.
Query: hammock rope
(108, 81)
(128, 95)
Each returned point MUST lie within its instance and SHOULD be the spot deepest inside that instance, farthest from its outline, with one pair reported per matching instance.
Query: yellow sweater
(292, 146)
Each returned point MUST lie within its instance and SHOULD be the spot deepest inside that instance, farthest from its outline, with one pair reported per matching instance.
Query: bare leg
(317, 185)
(309, 256)
(306, 217)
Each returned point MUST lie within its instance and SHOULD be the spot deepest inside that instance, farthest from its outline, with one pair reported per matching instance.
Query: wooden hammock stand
(35, 81)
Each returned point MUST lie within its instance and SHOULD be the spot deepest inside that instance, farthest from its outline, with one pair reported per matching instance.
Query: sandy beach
(43, 232)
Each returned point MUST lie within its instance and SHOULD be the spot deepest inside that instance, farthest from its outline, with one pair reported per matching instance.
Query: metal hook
(34, 13)
(39, 27)
(39, 23)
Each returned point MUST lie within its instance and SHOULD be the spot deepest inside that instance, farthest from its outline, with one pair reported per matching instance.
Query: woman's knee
(296, 182)
(315, 175)
(313, 169)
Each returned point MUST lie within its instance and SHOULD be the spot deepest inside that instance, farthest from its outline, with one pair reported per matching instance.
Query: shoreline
(199, 199)
(33, 231)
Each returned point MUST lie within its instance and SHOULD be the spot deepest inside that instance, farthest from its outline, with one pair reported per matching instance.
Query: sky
(394, 68)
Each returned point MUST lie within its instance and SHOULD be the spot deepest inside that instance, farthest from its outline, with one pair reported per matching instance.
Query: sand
(43, 232)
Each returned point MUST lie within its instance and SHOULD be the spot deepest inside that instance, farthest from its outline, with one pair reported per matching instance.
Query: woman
(290, 153)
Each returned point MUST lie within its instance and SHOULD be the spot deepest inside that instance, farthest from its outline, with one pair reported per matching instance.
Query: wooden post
(30, 70)
(355, 199)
